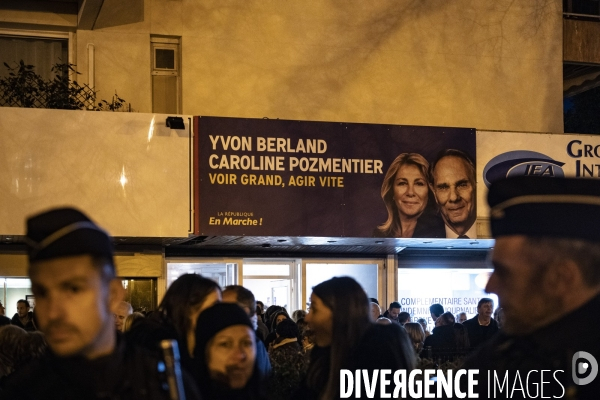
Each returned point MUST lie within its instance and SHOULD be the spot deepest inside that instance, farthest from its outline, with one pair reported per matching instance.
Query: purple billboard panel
(260, 177)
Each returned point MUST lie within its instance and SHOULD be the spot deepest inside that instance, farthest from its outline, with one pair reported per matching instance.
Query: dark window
(140, 293)
(586, 7)
(42, 53)
(165, 59)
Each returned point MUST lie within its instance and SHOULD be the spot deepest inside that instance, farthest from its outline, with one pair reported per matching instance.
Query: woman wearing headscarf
(275, 319)
(346, 339)
(225, 354)
(288, 361)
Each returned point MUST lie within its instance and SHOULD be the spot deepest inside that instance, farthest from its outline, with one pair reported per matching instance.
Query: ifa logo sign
(521, 163)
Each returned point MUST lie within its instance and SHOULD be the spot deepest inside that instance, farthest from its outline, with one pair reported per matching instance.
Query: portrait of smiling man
(454, 187)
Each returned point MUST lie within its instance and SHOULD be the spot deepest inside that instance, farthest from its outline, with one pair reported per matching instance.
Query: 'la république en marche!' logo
(467, 383)
(521, 163)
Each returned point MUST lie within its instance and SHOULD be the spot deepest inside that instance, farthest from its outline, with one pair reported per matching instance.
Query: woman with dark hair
(448, 340)
(408, 200)
(269, 314)
(177, 314)
(346, 338)
(225, 354)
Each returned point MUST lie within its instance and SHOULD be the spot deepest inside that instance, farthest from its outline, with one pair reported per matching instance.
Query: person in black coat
(482, 327)
(346, 339)
(288, 361)
(448, 340)
(73, 278)
(23, 318)
(547, 279)
(3, 319)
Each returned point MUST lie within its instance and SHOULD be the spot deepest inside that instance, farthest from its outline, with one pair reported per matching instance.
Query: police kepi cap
(64, 232)
(544, 206)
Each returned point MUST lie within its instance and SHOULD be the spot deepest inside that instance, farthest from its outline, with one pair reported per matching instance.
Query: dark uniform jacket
(129, 373)
(479, 334)
(551, 348)
(443, 343)
(29, 326)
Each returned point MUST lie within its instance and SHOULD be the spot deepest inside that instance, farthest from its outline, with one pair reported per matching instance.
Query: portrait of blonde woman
(410, 204)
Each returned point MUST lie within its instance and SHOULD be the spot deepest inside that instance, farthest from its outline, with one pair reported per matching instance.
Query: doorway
(274, 282)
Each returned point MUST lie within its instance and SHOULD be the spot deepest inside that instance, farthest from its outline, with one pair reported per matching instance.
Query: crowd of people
(225, 352)
(452, 337)
(84, 342)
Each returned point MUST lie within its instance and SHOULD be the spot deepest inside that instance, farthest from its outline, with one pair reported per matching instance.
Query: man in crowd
(454, 186)
(375, 311)
(123, 310)
(461, 317)
(4, 320)
(24, 317)
(403, 318)
(393, 311)
(482, 326)
(436, 310)
(260, 310)
(245, 298)
(546, 276)
(73, 279)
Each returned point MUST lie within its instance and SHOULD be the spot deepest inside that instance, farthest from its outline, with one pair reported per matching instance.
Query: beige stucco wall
(493, 65)
(128, 171)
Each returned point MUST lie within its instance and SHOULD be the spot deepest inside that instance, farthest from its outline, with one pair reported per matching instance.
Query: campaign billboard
(263, 177)
(507, 154)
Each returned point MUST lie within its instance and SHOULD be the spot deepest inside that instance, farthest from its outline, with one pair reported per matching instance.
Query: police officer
(547, 276)
(73, 279)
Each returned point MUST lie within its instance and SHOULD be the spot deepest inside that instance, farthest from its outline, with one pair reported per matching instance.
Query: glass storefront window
(266, 269)
(271, 292)
(365, 274)
(140, 293)
(457, 289)
(272, 282)
(224, 273)
(13, 290)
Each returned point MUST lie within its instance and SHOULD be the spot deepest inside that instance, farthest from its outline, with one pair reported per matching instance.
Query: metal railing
(75, 97)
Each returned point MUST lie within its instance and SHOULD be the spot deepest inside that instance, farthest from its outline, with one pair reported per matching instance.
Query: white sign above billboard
(504, 154)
